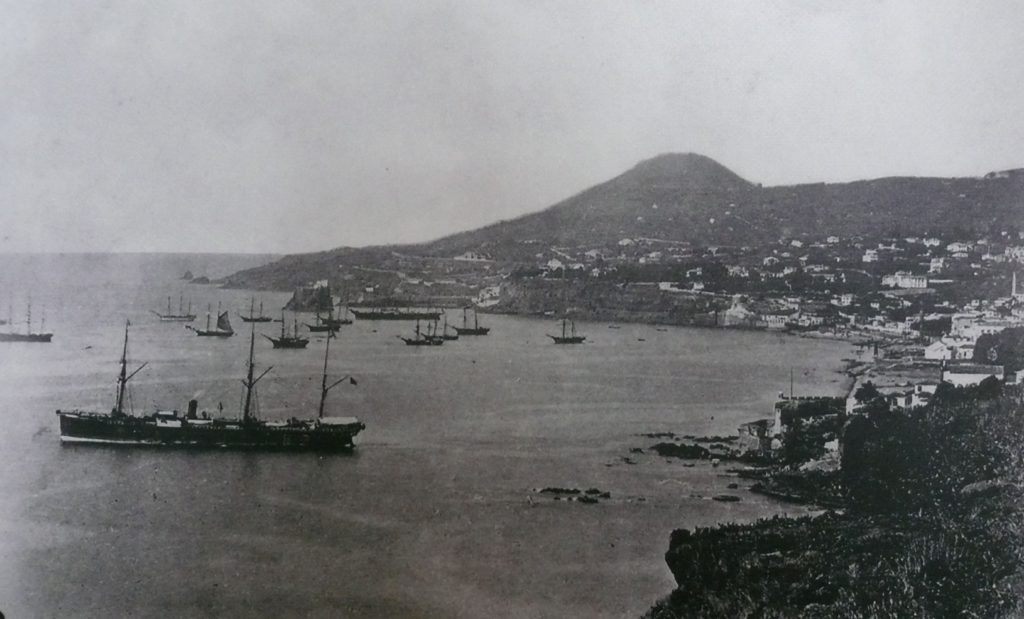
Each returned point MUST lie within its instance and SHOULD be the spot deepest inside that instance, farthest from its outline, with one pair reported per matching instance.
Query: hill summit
(687, 197)
(682, 169)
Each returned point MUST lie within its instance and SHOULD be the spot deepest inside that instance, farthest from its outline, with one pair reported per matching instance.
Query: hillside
(689, 197)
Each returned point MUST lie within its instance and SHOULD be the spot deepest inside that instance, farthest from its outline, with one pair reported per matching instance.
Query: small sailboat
(223, 329)
(35, 338)
(183, 315)
(421, 338)
(288, 341)
(253, 317)
(476, 329)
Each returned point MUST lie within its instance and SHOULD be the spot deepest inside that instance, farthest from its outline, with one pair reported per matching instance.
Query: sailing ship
(421, 338)
(476, 329)
(252, 317)
(200, 430)
(432, 335)
(35, 338)
(446, 335)
(322, 325)
(183, 315)
(569, 335)
(394, 313)
(223, 326)
(342, 318)
(288, 341)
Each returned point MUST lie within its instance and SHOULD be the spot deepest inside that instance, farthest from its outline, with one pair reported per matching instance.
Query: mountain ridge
(688, 197)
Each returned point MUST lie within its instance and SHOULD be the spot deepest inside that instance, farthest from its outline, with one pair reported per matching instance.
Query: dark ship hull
(35, 338)
(176, 317)
(288, 342)
(568, 339)
(422, 341)
(223, 328)
(321, 328)
(371, 314)
(171, 430)
(255, 318)
(472, 330)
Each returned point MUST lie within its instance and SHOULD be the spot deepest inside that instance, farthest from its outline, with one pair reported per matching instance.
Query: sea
(436, 511)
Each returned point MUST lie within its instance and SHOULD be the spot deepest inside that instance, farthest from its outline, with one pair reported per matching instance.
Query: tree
(866, 392)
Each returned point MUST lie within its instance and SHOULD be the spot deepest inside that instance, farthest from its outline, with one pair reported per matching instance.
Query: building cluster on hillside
(920, 332)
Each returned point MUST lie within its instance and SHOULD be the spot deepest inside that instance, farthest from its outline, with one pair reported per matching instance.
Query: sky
(271, 126)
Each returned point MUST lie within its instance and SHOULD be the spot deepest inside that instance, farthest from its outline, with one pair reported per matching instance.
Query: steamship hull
(164, 430)
(36, 338)
(395, 315)
(472, 330)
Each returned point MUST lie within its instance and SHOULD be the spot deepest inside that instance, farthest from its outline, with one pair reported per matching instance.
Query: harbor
(457, 437)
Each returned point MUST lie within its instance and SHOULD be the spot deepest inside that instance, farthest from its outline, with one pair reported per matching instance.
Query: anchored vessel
(476, 329)
(223, 326)
(422, 339)
(569, 335)
(322, 325)
(35, 338)
(182, 315)
(394, 313)
(288, 341)
(199, 430)
(330, 323)
(442, 334)
(253, 317)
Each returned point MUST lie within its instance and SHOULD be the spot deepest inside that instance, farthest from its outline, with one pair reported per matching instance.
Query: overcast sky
(273, 126)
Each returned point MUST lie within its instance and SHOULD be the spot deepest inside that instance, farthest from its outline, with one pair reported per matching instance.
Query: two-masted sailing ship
(42, 337)
(183, 315)
(445, 333)
(288, 341)
(253, 316)
(421, 338)
(569, 335)
(475, 329)
(200, 430)
(223, 328)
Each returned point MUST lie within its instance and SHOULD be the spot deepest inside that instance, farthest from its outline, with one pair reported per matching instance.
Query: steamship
(200, 430)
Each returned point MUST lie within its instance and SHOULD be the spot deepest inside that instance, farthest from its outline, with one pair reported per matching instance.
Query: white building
(938, 351)
(471, 256)
(970, 374)
(870, 255)
(905, 279)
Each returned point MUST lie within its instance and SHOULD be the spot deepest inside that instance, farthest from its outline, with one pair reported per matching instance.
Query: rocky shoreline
(923, 519)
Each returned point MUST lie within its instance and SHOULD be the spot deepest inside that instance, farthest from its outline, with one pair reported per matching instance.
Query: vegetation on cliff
(932, 526)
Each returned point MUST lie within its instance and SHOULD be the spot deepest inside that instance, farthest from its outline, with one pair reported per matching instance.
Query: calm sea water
(431, 516)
